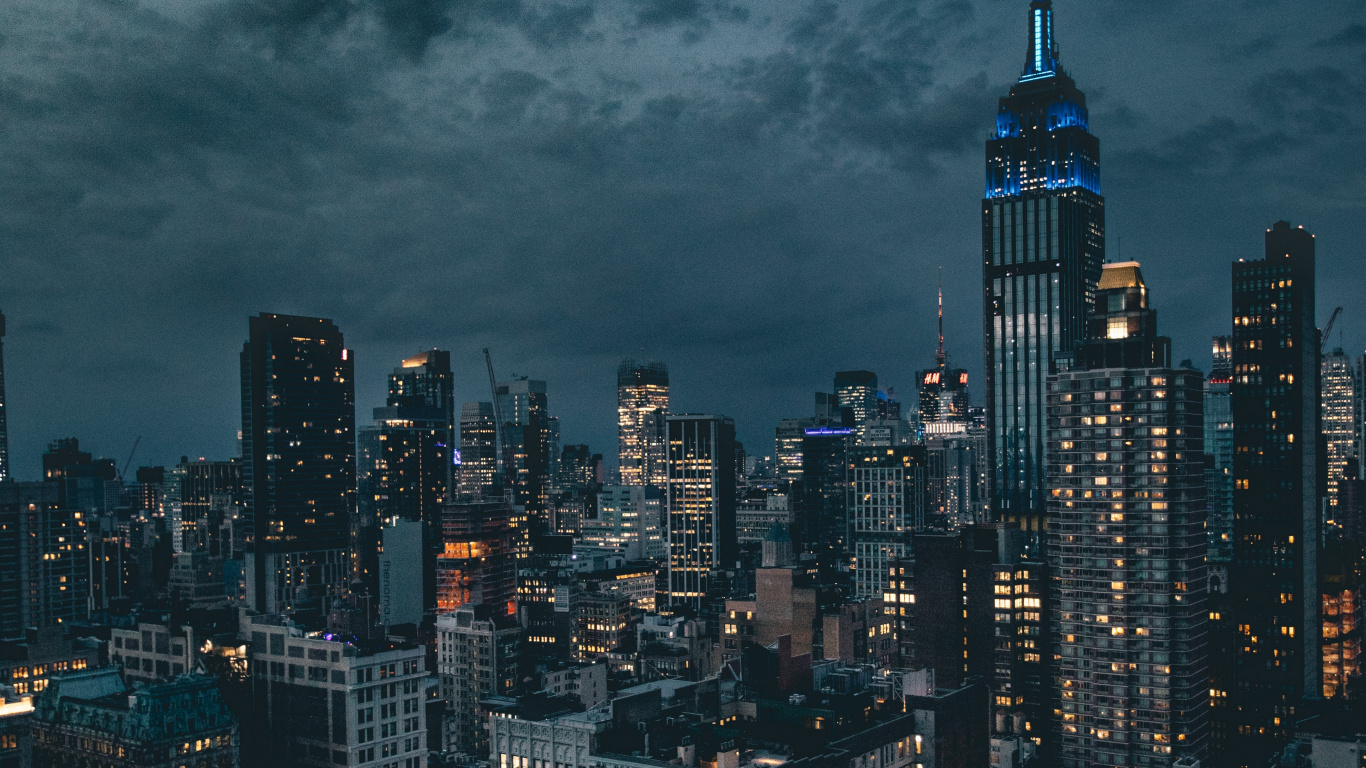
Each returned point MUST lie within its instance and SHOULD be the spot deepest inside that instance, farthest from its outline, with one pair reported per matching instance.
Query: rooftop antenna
(939, 356)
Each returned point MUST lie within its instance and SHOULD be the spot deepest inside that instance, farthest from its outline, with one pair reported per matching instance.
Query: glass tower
(1339, 421)
(1043, 244)
(700, 505)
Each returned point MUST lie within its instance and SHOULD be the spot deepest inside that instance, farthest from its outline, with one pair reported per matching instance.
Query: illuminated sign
(455, 457)
(932, 378)
(829, 431)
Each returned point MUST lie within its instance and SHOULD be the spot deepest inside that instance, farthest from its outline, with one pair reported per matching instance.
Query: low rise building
(16, 713)
(91, 718)
(26, 665)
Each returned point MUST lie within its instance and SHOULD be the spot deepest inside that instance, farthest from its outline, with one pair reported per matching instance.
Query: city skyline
(1194, 171)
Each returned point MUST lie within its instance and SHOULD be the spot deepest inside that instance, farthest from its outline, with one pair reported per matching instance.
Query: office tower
(526, 427)
(90, 718)
(629, 521)
(888, 500)
(44, 573)
(1219, 450)
(328, 701)
(475, 562)
(1340, 428)
(943, 390)
(4, 422)
(1043, 243)
(84, 483)
(857, 391)
(1361, 416)
(478, 457)
(476, 659)
(578, 469)
(298, 460)
(701, 505)
(1273, 590)
(642, 406)
(1127, 541)
(821, 524)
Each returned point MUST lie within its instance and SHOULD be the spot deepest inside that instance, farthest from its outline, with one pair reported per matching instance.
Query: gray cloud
(759, 193)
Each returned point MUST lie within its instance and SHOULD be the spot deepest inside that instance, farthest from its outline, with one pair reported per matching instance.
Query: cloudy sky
(758, 192)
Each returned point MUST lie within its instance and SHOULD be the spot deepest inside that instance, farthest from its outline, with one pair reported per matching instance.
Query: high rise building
(1340, 421)
(1219, 450)
(857, 391)
(44, 571)
(1273, 589)
(475, 562)
(4, 422)
(477, 459)
(642, 407)
(700, 505)
(404, 466)
(476, 659)
(888, 502)
(629, 520)
(202, 520)
(821, 523)
(526, 427)
(1127, 541)
(298, 460)
(1043, 243)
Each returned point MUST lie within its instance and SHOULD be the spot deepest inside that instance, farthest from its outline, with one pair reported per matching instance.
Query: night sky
(758, 192)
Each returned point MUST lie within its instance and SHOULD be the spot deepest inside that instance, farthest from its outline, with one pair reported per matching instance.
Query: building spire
(1043, 47)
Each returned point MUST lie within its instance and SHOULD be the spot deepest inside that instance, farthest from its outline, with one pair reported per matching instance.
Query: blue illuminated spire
(1043, 47)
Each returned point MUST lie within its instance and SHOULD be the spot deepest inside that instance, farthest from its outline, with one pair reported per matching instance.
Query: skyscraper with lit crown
(1043, 244)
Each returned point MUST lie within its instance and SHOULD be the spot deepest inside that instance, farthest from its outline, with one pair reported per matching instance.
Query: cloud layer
(758, 192)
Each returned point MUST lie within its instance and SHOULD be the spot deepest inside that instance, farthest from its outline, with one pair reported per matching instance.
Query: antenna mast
(939, 356)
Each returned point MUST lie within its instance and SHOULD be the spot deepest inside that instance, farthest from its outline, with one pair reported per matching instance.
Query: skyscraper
(1340, 427)
(1219, 450)
(1043, 243)
(478, 457)
(1127, 542)
(44, 566)
(4, 423)
(1274, 596)
(642, 406)
(821, 522)
(943, 391)
(298, 469)
(700, 505)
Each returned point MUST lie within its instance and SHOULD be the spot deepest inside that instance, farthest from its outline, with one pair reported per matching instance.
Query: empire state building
(1043, 246)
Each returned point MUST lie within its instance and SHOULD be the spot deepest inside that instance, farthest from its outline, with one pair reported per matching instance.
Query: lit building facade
(44, 568)
(629, 521)
(700, 504)
(477, 459)
(1043, 244)
(857, 391)
(1273, 577)
(476, 658)
(1219, 450)
(1340, 421)
(475, 564)
(1127, 542)
(642, 407)
(888, 501)
(299, 460)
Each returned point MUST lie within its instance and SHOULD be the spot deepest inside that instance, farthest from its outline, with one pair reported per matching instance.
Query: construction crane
(129, 460)
(1328, 329)
(509, 464)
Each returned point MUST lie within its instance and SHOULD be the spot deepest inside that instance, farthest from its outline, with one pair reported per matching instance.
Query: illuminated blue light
(455, 457)
(828, 431)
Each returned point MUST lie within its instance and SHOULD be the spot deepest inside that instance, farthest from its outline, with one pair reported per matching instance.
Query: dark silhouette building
(1043, 243)
(298, 452)
(44, 573)
(1277, 485)
(4, 408)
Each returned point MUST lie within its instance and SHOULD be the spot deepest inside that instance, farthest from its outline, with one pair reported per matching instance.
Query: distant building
(44, 568)
(857, 391)
(476, 652)
(630, 520)
(1340, 421)
(754, 519)
(642, 407)
(4, 420)
(27, 664)
(299, 463)
(821, 523)
(701, 505)
(402, 574)
(1219, 450)
(526, 426)
(148, 652)
(476, 561)
(90, 718)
